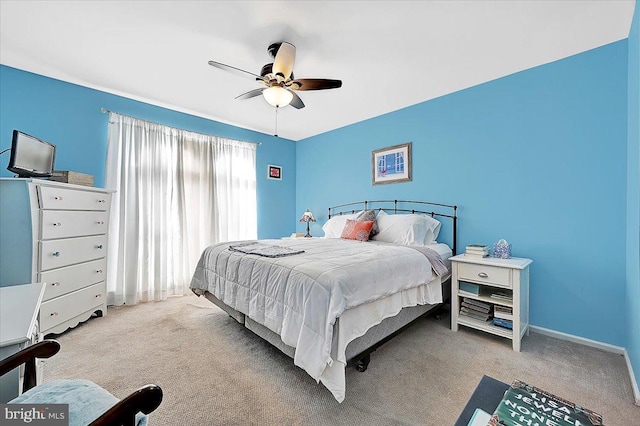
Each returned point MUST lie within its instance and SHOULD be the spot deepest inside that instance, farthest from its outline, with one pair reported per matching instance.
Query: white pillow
(334, 226)
(403, 229)
(432, 231)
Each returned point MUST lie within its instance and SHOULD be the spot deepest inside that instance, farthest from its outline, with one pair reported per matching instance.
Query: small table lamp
(307, 217)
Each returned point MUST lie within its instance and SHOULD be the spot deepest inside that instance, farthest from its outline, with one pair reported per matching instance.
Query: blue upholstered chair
(89, 404)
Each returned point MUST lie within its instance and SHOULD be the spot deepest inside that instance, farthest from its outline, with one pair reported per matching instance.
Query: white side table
(19, 307)
(492, 275)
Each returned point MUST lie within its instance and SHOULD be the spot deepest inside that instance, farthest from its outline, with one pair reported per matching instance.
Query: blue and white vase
(502, 250)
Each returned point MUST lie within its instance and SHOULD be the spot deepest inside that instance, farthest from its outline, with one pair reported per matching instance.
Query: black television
(30, 156)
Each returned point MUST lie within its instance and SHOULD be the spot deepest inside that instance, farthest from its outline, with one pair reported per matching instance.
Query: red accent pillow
(357, 230)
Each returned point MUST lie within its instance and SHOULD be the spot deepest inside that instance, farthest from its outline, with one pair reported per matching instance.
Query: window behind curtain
(177, 193)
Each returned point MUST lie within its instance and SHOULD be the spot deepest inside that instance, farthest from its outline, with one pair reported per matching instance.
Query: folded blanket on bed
(437, 264)
(266, 250)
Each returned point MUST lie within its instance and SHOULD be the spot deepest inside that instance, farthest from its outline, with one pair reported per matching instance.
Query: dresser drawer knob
(100, 222)
(57, 224)
(56, 284)
(99, 271)
(98, 295)
(58, 197)
(99, 247)
(56, 253)
(54, 314)
(483, 275)
(102, 201)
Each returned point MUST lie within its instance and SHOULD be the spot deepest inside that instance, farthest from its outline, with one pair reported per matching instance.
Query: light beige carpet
(215, 372)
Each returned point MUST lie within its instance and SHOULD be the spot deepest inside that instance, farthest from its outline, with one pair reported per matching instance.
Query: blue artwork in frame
(391, 164)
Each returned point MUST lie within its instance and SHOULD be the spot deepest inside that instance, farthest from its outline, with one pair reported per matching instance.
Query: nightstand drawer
(493, 275)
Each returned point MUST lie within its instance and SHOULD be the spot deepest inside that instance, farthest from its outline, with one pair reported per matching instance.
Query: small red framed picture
(274, 172)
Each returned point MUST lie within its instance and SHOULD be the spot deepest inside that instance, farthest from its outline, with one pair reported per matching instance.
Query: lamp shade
(307, 216)
(277, 96)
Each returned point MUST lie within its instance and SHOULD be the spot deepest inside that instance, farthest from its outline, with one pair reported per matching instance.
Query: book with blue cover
(503, 323)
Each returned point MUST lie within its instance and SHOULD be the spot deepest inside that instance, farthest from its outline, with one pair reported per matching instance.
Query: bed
(327, 302)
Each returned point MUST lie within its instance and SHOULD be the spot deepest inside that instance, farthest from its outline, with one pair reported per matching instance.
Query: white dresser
(56, 233)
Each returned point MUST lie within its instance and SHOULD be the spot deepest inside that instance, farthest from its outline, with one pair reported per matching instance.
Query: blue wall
(633, 197)
(547, 158)
(537, 158)
(69, 116)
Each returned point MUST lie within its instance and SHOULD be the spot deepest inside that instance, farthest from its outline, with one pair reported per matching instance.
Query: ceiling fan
(277, 77)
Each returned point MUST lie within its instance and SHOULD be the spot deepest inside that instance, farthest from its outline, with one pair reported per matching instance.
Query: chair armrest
(145, 399)
(27, 356)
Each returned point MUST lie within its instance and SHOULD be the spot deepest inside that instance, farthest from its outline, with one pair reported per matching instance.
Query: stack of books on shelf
(475, 309)
(506, 295)
(477, 250)
(503, 316)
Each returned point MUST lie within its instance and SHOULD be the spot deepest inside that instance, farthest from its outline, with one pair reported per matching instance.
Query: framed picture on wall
(391, 164)
(274, 172)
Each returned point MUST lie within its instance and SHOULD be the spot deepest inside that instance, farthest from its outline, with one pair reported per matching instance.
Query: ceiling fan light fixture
(277, 96)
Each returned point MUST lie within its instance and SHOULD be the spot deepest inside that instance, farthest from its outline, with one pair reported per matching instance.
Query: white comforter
(301, 296)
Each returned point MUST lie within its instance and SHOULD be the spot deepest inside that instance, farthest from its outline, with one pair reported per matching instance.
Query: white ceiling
(389, 54)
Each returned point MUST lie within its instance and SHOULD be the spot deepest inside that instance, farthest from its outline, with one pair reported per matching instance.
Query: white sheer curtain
(177, 193)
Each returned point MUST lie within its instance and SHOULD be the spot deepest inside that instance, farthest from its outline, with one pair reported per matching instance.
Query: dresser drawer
(69, 251)
(71, 278)
(492, 275)
(53, 198)
(64, 224)
(63, 308)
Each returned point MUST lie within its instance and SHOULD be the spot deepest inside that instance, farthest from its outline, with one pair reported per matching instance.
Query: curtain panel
(176, 193)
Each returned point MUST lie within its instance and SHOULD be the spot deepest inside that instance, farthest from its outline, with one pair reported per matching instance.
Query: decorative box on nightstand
(501, 282)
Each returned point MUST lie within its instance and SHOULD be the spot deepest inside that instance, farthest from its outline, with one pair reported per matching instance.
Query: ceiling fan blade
(250, 94)
(296, 102)
(233, 69)
(283, 63)
(315, 84)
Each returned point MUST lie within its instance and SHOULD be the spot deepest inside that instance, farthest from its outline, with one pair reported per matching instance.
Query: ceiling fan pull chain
(276, 135)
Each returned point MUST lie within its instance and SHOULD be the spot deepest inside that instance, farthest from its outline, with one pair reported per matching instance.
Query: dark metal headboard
(401, 206)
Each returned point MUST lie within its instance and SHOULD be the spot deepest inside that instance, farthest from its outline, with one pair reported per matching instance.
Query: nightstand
(498, 282)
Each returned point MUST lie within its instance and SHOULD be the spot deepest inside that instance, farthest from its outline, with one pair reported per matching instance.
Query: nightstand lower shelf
(485, 326)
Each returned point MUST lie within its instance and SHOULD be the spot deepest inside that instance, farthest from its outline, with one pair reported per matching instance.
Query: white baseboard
(598, 345)
(577, 339)
(634, 383)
